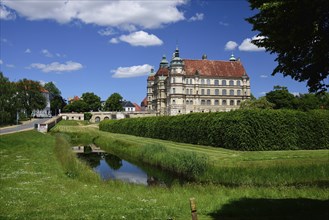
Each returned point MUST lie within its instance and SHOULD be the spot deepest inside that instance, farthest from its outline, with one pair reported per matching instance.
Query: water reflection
(109, 166)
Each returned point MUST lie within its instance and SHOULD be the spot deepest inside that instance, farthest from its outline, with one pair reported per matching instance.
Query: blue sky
(110, 46)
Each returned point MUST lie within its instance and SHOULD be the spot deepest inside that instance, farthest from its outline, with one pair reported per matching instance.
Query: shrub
(238, 130)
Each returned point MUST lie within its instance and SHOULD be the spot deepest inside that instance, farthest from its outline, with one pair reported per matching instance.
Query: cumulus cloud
(114, 41)
(246, 45)
(133, 71)
(28, 50)
(231, 45)
(139, 38)
(6, 14)
(145, 14)
(57, 67)
(46, 53)
(197, 17)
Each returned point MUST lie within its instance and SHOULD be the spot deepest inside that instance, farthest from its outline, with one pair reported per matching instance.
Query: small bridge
(87, 149)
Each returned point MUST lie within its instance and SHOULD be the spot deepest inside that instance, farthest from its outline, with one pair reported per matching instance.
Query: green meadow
(42, 179)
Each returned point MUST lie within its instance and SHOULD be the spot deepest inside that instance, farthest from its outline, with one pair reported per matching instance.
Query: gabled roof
(214, 68)
(127, 104)
(137, 107)
(44, 90)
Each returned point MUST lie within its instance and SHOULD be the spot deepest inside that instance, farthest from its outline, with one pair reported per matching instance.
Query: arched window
(191, 91)
(239, 92)
(216, 91)
(238, 83)
(203, 102)
(231, 92)
(173, 90)
(231, 102)
(216, 82)
(224, 92)
(238, 102)
(208, 91)
(231, 83)
(191, 102)
(208, 102)
(202, 91)
(224, 102)
(216, 102)
(173, 101)
(187, 102)
(224, 82)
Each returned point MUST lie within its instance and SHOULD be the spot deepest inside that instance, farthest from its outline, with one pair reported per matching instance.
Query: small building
(46, 112)
(128, 106)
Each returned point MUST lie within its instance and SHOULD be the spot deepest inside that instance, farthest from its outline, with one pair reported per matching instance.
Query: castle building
(185, 86)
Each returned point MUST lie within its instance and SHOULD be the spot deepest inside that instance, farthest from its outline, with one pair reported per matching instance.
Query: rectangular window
(208, 102)
(208, 91)
(216, 91)
(203, 102)
(202, 91)
(173, 90)
(216, 102)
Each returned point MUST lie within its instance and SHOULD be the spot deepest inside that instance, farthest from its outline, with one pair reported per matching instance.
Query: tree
(50, 86)
(298, 32)
(93, 101)
(281, 98)
(8, 100)
(56, 100)
(30, 96)
(76, 106)
(113, 103)
(260, 103)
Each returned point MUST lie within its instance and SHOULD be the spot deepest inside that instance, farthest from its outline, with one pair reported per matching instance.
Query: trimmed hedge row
(236, 130)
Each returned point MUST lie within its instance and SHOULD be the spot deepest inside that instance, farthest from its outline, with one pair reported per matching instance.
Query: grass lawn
(35, 184)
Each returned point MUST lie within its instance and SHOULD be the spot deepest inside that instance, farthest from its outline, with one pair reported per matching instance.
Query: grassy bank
(215, 165)
(35, 185)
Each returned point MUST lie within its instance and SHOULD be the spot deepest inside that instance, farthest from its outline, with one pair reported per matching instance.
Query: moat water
(112, 167)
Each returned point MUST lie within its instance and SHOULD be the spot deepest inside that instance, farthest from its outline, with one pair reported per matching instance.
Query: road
(26, 126)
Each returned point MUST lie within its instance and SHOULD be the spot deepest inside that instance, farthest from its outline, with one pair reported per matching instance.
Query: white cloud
(140, 38)
(197, 17)
(57, 67)
(42, 82)
(296, 94)
(133, 71)
(145, 14)
(1, 62)
(6, 14)
(231, 45)
(263, 76)
(114, 41)
(28, 50)
(223, 23)
(46, 53)
(106, 32)
(10, 65)
(246, 45)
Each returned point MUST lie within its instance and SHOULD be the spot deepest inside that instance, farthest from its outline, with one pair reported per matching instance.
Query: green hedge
(238, 130)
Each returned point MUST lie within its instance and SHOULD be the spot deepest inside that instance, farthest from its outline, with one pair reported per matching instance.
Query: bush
(238, 130)
(87, 116)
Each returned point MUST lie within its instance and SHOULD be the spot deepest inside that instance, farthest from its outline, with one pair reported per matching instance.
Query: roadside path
(29, 125)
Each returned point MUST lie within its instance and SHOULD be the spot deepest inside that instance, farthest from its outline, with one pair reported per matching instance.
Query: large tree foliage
(8, 100)
(281, 98)
(93, 101)
(76, 106)
(113, 103)
(298, 32)
(30, 96)
(50, 86)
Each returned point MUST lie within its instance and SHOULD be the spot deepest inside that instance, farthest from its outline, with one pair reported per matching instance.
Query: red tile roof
(144, 103)
(214, 68)
(162, 72)
(150, 78)
(44, 90)
(137, 107)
